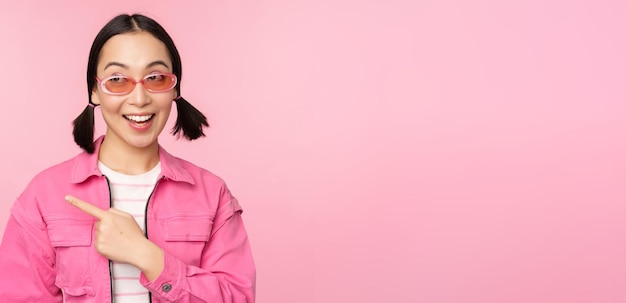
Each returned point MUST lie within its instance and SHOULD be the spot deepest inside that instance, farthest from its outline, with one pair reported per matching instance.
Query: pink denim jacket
(47, 252)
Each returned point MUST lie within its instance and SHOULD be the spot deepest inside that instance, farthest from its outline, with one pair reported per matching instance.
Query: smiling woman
(139, 224)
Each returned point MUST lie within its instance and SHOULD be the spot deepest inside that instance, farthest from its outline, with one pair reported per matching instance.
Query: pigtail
(84, 128)
(190, 120)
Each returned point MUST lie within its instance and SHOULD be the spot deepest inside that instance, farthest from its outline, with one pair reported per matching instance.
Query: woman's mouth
(139, 121)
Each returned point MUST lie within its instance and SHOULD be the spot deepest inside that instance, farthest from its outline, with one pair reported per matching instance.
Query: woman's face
(137, 118)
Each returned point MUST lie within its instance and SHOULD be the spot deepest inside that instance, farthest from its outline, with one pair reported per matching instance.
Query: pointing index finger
(86, 207)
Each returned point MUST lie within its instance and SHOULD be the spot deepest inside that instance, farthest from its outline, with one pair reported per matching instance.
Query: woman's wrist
(149, 259)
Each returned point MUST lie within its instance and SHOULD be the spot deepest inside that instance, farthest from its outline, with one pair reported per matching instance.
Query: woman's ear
(95, 99)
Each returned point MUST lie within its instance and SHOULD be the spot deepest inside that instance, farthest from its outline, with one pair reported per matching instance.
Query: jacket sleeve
(27, 272)
(227, 271)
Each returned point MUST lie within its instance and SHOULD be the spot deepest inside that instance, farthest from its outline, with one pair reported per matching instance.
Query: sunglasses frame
(134, 82)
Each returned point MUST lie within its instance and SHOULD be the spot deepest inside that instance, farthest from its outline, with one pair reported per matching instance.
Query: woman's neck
(128, 160)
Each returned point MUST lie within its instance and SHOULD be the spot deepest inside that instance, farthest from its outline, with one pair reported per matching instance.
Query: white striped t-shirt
(130, 194)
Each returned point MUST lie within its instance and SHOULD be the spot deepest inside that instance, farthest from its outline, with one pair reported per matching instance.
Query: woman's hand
(120, 239)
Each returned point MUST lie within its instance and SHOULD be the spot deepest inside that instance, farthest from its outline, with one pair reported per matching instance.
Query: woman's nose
(139, 95)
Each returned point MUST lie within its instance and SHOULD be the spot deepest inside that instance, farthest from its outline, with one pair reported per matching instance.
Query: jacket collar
(86, 165)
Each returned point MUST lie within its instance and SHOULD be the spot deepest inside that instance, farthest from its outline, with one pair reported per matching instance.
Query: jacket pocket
(71, 240)
(186, 235)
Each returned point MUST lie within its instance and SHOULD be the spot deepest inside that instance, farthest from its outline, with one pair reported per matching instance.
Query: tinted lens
(159, 82)
(119, 84)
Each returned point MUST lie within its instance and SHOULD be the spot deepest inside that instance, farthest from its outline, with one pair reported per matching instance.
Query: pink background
(384, 151)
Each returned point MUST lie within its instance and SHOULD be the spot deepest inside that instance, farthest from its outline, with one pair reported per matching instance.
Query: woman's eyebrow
(113, 63)
(158, 62)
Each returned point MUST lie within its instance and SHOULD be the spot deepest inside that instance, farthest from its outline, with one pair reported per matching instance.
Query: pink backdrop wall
(384, 151)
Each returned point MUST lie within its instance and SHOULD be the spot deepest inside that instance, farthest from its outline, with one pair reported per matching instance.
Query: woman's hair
(190, 121)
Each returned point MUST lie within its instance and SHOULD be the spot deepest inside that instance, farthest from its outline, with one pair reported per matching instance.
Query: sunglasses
(118, 85)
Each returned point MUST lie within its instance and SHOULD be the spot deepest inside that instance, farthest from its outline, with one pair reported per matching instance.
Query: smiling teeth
(139, 118)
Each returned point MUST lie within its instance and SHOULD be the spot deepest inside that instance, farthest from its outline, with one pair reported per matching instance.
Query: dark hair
(190, 121)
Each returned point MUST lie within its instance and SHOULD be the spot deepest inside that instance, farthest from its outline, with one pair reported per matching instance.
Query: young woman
(124, 221)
